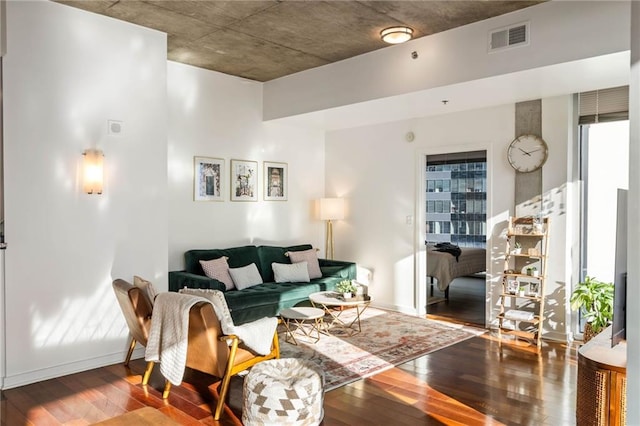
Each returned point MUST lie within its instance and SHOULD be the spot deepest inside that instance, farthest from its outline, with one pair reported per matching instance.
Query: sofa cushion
(336, 271)
(311, 257)
(271, 254)
(218, 269)
(287, 272)
(245, 276)
(238, 256)
(249, 302)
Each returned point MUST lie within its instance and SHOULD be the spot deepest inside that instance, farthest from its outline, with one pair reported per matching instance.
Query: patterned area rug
(387, 339)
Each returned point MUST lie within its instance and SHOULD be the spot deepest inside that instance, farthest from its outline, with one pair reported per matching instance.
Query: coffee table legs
(316, 324)
(349, 327)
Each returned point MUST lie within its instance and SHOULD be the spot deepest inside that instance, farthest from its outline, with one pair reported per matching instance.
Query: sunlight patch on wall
(79, 320)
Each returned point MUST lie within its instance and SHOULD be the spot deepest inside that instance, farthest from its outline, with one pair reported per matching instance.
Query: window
(604, 154)
(456, 198)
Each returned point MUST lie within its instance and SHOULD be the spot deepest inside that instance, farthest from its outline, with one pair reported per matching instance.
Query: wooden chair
(211, 352)
(136, 308)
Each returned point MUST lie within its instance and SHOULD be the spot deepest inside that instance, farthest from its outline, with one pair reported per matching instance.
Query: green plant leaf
(595, 300)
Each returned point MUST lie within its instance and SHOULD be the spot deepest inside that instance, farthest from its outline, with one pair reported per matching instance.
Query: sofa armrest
(181, 279)
(338, 268)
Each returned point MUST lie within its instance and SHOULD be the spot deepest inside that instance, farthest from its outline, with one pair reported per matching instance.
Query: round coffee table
(334, 304)
(298, 316)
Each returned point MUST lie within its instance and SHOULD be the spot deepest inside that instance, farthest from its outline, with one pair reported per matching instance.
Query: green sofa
(262, 300)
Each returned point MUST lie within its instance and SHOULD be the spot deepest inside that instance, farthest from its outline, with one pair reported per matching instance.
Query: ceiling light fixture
(396, 35)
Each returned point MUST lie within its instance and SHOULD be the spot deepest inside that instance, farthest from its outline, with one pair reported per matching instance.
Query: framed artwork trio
(210, 184)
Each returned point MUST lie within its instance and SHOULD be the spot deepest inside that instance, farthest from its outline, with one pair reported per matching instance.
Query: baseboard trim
(22, 379)
(408, 310)
(557, 337)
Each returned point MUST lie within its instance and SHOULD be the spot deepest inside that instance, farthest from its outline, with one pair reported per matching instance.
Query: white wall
(3, 28)
(215, 115)
(459, 55)
(633, 241)
(558, 128)
(66, 72)
(375, 169)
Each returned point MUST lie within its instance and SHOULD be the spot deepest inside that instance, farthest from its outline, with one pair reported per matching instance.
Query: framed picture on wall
(244, 180)
(275, 181)
(208, 181)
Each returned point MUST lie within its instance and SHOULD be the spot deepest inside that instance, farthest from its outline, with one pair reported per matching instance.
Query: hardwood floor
(476, 382)
(466, 302)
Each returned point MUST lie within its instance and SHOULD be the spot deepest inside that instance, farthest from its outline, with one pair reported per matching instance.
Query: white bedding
(443, 266)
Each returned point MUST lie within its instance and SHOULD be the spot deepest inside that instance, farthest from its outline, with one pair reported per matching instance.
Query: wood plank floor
(476, 382)
(466, 302)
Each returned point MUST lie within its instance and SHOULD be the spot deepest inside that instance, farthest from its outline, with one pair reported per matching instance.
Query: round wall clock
(527, 153)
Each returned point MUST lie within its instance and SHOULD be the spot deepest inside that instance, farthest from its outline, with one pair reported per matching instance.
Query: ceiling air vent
(508, 37)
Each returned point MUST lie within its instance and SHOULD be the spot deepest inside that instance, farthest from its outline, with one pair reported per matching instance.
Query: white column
(3, 28)
(3, 49)
(633, 245)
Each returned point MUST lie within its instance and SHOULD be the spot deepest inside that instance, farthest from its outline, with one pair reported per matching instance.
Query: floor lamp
(331, 209)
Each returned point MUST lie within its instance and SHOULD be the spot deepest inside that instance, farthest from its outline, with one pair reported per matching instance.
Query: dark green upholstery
(263, 300)
(271, 254)
(238, 256)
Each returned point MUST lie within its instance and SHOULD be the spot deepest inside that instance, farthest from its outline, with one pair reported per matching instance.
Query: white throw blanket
(169, 333)
(518, 315)
(256, 335)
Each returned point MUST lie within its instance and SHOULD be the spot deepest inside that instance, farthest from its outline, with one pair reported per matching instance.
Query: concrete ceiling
(264, 40)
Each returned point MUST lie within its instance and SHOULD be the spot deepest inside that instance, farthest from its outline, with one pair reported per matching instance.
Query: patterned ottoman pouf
(283, 391)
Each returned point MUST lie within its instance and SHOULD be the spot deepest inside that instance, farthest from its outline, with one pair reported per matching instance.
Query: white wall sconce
(93, 171)
(396, 35)
(331, 209)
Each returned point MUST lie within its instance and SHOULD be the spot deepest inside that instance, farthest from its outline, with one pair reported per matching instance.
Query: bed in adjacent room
(445, 266)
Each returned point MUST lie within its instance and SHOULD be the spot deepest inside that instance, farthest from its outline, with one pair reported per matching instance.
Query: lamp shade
(331, 208)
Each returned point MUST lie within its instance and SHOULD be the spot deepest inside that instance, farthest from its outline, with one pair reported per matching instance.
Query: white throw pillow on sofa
(246, 276)
(290, 273)
(311, 257)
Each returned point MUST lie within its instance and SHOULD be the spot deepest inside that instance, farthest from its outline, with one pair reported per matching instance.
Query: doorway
(455, 235)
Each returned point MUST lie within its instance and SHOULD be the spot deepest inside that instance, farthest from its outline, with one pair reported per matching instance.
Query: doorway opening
(456, 235)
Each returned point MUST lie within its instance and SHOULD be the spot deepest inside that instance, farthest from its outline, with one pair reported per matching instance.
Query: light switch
(409, 220)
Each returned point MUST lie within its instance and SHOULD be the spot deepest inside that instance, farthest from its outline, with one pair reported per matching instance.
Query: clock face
(527, 153)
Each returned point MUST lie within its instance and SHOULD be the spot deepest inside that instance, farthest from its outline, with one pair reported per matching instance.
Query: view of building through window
(457, 198)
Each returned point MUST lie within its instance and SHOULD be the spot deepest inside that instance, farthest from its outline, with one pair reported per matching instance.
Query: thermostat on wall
(115, 127)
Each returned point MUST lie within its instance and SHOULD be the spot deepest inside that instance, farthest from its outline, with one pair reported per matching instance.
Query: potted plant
(530, 271)
(347, 288)
(517, 248)
(595, 300)
(534, 271)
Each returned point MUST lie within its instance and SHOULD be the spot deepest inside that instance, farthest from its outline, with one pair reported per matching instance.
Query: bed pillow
(219, 270)
(311, 257)
(290, 273)
(246, 276)
(145, 287)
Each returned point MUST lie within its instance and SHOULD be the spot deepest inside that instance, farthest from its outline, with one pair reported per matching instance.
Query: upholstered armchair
(212, 352)
(136, 308)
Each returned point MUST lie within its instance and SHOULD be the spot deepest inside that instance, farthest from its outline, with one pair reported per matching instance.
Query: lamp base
(329, 243)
